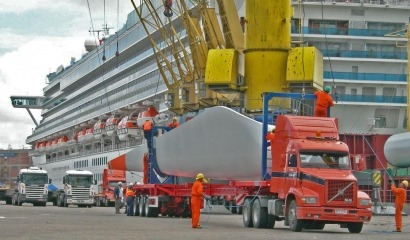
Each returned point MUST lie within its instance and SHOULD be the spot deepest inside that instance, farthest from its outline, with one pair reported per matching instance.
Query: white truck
(79, 189)
(32, 187)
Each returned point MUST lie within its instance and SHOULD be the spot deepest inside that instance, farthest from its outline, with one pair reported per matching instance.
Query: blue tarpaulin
(51, 187)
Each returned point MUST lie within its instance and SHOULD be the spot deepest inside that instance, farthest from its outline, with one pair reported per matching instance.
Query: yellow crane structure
(184, 72)
(225, 58)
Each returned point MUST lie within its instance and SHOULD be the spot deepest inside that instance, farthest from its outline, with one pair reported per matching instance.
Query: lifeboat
(48, 146)
(99, 129)
(40, 147)
(152, 114)
(81, 136)
(62, 142)
(128, 127)
(111, 125)
(53, 144)
(74, 140)
(89, 134)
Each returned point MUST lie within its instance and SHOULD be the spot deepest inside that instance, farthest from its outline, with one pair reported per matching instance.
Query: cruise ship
(364, 51)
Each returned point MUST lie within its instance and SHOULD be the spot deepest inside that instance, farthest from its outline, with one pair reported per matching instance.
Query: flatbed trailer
(174, 199)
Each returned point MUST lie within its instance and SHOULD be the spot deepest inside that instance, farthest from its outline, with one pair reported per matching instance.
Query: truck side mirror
(50, 181)
(17, 179)
(95, 182)
(64, 181)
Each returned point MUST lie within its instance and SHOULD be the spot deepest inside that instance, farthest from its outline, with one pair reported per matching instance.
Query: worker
(400, 194)
(323, 102)
(174, 123)
(167, 8)
(130, 195)
(147, 127)
(271, 138)
(118, 194)
(196, 199)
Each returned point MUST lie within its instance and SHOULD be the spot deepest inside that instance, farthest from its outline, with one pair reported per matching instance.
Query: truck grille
(80, 193)
(34, 192)
(340, 192)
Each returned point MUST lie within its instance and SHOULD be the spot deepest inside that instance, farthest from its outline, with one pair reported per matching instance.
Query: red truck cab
(312, 178)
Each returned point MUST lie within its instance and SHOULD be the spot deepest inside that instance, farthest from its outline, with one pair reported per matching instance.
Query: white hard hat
(119, 183)
(271, 128)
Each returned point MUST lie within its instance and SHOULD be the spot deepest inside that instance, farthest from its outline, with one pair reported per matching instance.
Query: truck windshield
(34, 179)
(80, 180)
(338, 160)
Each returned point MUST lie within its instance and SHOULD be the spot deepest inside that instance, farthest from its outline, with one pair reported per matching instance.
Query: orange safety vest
(323, 99)
(173, 124)
(147, 126)
(130, 193)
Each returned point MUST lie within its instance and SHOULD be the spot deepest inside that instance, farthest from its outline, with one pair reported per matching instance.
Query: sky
(36, 37)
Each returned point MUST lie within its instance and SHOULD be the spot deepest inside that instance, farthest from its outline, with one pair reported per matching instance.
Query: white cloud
(28, 56)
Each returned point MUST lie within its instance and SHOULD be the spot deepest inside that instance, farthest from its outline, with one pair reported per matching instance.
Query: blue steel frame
(266, 97)
(153, 168)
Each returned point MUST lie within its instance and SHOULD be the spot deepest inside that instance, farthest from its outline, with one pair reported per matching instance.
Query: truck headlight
(309, 200)
(365, 202)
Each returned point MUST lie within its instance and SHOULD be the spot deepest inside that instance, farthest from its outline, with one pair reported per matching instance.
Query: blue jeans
(130, 206)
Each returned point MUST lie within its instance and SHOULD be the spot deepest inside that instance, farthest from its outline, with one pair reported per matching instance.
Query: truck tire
(355, 227)
(141, 206)
(136, 210)
(247, 213)
(232, 207)
(259, 214)
(150, 211)
(19, 202)
(65, 202)
(270, 222)
(8, 201)
(295, 225)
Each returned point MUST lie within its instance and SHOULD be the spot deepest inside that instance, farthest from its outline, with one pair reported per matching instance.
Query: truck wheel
(186, 212)
(295, 225)
(44, 204)
(8, 201)
(247, 213)
(150, 211)
(270, 222)
(232, 207)
(239, 210)
(141, 206)
(19, 203)
(136, 211)
(65, 202)
(355, 227)
(259, 215)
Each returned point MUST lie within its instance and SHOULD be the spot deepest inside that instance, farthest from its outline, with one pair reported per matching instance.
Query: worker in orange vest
(400, 194)
(147, 127)
(323, 102)
(271, 137)
(174, 123)
(130, 195)
(196, 199)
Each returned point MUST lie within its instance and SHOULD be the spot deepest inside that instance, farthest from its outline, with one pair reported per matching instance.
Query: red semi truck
(310, 183)
(110, 179)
